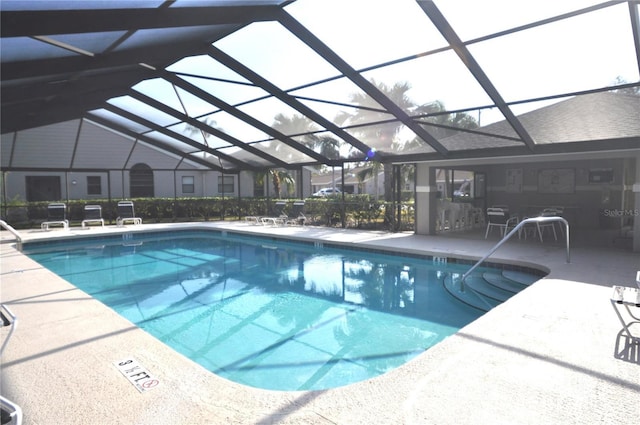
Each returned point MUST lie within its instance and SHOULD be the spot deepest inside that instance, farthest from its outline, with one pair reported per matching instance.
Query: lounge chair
(56, 215)
(126, 214)
(252, 219)
(297, 215)
(92, 214)
(278, 216)
(499, 217)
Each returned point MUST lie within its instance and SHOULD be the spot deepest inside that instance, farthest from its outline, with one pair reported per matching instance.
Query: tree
(300, 125)
(280, 177)
(627, 90)
(387, 133)
(303, 126)
(191, 130)
(295, 124)
(444, 125)
(384, 134)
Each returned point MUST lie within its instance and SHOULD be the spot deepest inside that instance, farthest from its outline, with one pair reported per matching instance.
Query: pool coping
(523, 362)
(504, 264)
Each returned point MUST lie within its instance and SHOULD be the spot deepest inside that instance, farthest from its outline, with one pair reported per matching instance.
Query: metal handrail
(11, 229)
(536, 220)
(12, 410)
(13, 322)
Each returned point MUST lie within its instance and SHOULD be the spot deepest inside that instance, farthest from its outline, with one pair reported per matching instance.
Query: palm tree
(191, 130)
(282, 177)
(326, 146)
(435, 113)
(387, 132)
(369, 111)
(278, 177)
(295, 124)
(301, 125)
(447, 125)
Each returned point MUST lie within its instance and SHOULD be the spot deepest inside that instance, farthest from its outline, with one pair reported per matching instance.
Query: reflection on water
(272, 315)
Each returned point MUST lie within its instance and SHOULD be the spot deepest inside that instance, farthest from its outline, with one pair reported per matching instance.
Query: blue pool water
(269, 314)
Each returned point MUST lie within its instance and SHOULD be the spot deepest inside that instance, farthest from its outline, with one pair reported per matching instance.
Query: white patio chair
(56, 215)
(126, 214)
(92, 214)
(499, 218)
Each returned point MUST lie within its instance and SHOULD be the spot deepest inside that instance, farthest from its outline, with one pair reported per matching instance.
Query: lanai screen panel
(174, 97)
(565, 56)
(294, 82)
(249, 158)
(50, 146)
(118, 120)
(102, 148)
(337, 100)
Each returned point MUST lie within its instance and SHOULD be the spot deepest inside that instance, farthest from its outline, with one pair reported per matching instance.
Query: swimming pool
(267, 313)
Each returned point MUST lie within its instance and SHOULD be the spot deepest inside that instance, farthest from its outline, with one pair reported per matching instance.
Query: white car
(327, 191)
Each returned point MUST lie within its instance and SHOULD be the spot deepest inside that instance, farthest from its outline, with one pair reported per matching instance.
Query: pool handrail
(13, 231)
(12, 410)
(516, 229)
(12, 321)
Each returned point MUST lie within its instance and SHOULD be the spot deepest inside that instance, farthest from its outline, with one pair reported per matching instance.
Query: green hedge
(360, 211)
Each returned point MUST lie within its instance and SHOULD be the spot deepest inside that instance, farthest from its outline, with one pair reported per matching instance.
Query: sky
(580, 53)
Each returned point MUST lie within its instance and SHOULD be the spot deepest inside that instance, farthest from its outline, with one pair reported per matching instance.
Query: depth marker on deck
(136, 374)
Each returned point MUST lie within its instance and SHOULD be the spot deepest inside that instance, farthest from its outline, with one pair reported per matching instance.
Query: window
(188, 184)
(141, 181)
(463, 184)
(94, 185)
(43, 188)
(225, 184)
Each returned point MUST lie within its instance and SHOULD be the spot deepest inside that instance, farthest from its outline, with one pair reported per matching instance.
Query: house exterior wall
(101, 148)
(426, 199)
(115, 184)
(245, 181)
(46, 147)
(589, 202)
(77, 149)
(585, 202)
(118, 178)
(369, 185)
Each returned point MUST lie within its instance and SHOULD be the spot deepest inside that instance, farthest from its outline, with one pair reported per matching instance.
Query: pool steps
(486, 290)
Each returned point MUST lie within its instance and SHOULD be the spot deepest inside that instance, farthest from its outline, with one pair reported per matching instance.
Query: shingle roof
(597, 116)
(590, 117)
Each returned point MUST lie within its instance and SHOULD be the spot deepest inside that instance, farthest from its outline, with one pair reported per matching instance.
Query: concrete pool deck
(552, 354)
